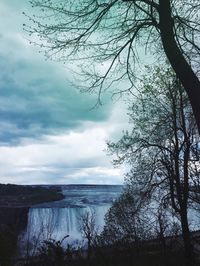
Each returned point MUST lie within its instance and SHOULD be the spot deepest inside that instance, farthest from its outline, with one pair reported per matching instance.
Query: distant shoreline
(21, 196)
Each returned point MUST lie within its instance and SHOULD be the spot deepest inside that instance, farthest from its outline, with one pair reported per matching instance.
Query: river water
(55, 220)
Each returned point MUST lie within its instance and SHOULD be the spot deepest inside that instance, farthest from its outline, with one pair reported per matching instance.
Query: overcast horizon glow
(48, 132)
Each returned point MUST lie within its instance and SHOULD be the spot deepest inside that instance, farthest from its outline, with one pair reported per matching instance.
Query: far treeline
(26, 196)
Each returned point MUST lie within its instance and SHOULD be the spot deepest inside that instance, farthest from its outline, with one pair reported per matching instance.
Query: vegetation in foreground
(51, 253)
(162, 153)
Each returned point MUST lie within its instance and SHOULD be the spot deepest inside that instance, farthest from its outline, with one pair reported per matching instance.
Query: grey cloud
(29, 96)
(35, 96)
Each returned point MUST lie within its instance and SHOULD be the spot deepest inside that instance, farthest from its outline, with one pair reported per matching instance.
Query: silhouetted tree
(88, 228)
(111, 32)
(162, 147)
(126, 221)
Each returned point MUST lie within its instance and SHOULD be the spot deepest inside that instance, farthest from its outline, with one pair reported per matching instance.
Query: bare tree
(162, 147)
(87, 226)
(111, 33)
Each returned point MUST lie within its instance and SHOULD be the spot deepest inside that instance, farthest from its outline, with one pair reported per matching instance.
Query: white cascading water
(55, 220)
(56, 223)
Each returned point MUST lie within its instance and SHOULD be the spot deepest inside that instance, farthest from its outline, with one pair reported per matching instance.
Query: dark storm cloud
(35, 95)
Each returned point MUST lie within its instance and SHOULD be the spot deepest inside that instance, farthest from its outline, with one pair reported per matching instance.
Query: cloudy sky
(48, 132)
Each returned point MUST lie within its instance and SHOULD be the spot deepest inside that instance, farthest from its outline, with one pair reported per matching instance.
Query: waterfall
(55, 220)
(56, 223)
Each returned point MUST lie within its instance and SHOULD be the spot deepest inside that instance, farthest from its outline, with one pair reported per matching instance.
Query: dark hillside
(18, 196)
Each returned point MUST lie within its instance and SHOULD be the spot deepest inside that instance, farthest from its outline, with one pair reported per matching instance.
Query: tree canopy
(110, 33)
(162, 148)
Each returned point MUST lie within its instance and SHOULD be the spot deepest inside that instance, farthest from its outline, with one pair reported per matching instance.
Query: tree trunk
(89, 249)
(161, 236)
(188, 249)
(181, 67)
